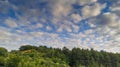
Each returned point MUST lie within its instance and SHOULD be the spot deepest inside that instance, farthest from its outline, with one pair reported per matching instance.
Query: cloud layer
(57, 23)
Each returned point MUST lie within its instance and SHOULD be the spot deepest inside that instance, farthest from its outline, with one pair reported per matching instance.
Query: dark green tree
(27, 47)
(3, 52)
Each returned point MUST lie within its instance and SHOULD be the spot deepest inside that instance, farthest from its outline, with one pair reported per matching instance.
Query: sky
(60, 23)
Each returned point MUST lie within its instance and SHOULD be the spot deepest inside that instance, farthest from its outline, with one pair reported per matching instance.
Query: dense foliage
(42, 56)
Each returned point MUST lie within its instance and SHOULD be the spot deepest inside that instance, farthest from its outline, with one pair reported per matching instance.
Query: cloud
(61, 8)
(115, 7)
(86, 2)
(69, 19)
(91, 11)
(85, 40)
(76, 18)
(64, 27)
(34, 38)
(108, 26)
(107, 19)
(59, 12)
(109, 22)
(11, 23)
(38, 25)
(75, 28)
(48, 28)
(8, 39)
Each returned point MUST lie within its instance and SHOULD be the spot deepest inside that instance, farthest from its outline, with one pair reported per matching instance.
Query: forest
(43, 56)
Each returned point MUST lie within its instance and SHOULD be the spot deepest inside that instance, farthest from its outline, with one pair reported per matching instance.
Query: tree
(2, 61)
(27, 47)
(42, 56)
(66, 52)
(13, 61)
(3, 52)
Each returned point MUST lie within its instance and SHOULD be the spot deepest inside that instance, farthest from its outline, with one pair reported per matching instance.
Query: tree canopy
(3, 52)
(42, 56)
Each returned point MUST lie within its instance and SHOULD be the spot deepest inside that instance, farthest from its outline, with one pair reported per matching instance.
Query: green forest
(42, 56)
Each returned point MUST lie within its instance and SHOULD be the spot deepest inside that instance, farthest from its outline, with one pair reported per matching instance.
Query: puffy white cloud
(59, 11)
(65, 26)
(8, 39)
(107, 19)
(85, 40)
(76, 18)
(108, 27)
(11, 23)
(48, 28)
(61, 14)
(86, 2)
(39, 25)
(116, 7)
(91, 11)
(61, 8)
(75, 28)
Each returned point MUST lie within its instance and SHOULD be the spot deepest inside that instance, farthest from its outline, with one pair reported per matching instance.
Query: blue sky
(58, 23)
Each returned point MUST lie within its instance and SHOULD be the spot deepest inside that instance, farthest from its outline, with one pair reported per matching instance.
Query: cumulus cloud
(65, 27)
(69, 19)
(76, 18)
(48, 28)
(11, 23)
(58, 10)
(8, 39)
(86, 2)
(91, 11)
(115, 7)
(108, 25)
(39, 25)
(107, 19)
(61, 8)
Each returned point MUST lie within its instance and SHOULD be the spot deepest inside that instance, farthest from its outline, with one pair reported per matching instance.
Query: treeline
(42, 56)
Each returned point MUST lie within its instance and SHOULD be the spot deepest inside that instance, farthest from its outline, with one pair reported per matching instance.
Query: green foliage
(32, 56)
(2, 61)
(13, 60)
(27, 47)
(3, 52)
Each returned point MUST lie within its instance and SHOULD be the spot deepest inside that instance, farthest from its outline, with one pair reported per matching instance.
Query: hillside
(42, 56)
